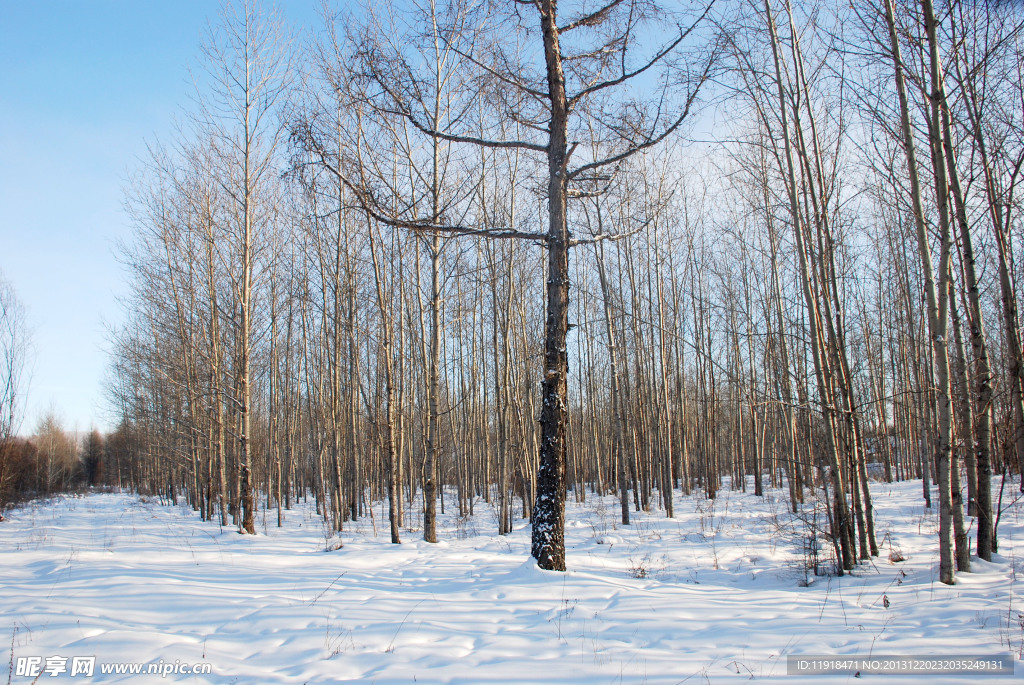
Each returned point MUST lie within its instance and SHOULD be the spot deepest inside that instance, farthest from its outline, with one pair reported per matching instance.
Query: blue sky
(83, 86)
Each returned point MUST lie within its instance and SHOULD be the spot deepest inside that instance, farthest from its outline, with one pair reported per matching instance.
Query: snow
(717, 594)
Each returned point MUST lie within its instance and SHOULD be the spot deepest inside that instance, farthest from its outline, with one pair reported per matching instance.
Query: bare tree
(977, 35)
(392, 318)
(936, 289)
(554, 81)
(248, 60)
(14, 348)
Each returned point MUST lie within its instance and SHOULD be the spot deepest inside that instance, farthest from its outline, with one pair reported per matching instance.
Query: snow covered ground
(717, 594)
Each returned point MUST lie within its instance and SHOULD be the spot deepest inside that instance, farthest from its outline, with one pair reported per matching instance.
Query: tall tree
(14, 347)
(554, 81)
(248, 61)
(936, 289)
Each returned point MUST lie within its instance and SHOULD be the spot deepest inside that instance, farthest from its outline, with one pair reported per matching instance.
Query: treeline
(54, 461)
(435, 253)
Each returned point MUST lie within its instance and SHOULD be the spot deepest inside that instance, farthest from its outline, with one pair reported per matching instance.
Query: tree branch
(609, 237)
(369, 205)
(649, 142)
(626, 76)
(592, 19)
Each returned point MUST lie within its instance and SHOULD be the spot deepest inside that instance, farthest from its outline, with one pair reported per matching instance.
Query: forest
(449, 254)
